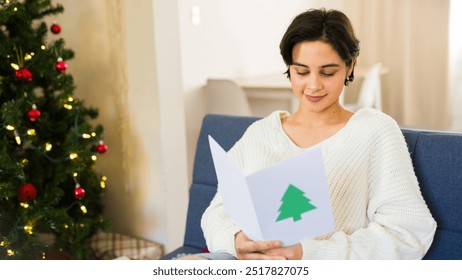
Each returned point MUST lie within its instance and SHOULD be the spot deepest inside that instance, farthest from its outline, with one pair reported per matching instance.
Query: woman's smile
(315, 98)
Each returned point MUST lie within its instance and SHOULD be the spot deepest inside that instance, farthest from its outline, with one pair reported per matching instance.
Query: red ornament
(55, 29)
(79, 192)
(23, 74)
(101, 148)
(27, 192)
(33, 114)
(61, 66)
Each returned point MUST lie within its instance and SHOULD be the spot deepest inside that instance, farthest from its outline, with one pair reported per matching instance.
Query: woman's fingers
(258, 246)
(249, 249)
(260, 256)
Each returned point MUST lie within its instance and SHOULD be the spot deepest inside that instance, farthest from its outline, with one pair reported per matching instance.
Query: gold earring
(349, 79)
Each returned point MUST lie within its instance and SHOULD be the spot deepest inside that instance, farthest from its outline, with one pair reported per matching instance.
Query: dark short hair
(329, 26)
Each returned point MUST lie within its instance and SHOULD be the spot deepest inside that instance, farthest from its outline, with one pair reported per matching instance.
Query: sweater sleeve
(218, 228)
(400, 225)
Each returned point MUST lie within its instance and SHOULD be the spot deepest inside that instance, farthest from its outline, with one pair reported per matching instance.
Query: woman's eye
(302, 73)
(328, 74)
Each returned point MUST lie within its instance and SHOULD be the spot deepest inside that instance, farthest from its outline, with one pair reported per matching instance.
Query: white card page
(288, 201)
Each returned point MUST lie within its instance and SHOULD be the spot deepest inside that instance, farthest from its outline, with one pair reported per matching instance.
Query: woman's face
(317, 75)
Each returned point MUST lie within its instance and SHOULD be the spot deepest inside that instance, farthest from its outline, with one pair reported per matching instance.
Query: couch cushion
(447, 245)
(200, 196)
(411, 137)
(226, 130)
(437, 161)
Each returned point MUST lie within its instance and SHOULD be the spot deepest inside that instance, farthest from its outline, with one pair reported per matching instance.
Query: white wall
(146, 162)
(455, 62)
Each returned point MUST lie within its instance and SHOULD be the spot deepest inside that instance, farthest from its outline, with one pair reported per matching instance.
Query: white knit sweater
(378, 209)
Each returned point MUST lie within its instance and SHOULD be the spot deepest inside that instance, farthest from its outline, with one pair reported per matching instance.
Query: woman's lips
(314, 99)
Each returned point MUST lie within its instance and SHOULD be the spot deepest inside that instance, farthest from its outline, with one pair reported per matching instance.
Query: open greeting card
(288, 201)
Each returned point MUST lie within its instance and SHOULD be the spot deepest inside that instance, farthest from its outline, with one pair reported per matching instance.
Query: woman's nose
(313, 83)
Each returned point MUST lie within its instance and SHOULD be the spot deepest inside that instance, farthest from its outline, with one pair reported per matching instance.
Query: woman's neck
(333, 115)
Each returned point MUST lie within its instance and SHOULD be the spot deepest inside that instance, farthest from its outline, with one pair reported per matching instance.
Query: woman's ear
(352, 67)
(350, 73)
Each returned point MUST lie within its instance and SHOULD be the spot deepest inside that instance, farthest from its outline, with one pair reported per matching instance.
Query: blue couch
(437, 159)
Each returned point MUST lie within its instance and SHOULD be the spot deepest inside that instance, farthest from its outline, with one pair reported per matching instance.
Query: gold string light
(28, 56)
(103, 182)
(29, 229)
(10, 253)
(48, 147)
(17, 137)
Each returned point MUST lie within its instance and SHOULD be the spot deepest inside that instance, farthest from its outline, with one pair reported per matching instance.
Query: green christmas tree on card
(294, 204)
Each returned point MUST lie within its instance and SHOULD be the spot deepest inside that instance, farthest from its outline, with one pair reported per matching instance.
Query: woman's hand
(248, 249)
(294, 252)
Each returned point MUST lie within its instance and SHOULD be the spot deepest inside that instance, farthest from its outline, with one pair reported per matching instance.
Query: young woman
(378, 209)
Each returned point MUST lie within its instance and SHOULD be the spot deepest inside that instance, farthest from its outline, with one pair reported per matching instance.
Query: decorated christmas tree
(50, 191)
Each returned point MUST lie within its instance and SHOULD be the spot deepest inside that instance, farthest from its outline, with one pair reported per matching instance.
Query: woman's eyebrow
(322, 66)
(330, 65)
(300, 64)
